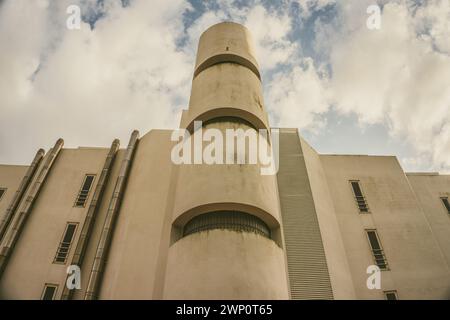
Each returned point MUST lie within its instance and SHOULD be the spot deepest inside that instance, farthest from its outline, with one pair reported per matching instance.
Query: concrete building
(140, 226)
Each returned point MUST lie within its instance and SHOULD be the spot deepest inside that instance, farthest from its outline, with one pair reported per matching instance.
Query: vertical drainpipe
(88, 225)
(20, 192)
(111, 216)
(19, 223)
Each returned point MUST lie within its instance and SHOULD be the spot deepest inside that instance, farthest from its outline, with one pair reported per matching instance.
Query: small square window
(446, 204)
(377, 249)
(83, 194)
(391, 295)
(359, 196)
(66, 241)
(2, 192)
(49, 292)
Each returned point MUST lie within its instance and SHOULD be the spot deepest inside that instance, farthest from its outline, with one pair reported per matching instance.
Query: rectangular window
(444, 201)
(49, 292)
(377, 249)
(64, 245)
(391, 295)
(84, 191)
(359, 196)
(2, 192)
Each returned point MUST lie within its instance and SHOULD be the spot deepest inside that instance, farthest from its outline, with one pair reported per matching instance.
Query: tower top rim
(225, 22)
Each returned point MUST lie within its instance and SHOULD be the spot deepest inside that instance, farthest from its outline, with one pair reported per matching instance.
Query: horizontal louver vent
(307, 265)
(231, 220)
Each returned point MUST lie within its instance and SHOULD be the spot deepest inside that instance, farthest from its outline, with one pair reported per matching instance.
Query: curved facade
(202, 188)
(226, 78)
(226, 38)
(226, 95)
(198, 267)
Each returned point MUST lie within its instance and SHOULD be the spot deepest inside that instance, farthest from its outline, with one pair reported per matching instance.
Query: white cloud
(395, 75)
(309, 6)
(435, 20)
(126, 73)
(270, 31)
(295, 96)
(131, 72)
(298, 96)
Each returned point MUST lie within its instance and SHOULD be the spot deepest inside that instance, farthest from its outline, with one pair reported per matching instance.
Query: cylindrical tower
(226, 78)
(226, 241)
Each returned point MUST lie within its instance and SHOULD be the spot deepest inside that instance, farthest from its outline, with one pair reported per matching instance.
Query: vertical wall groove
(10, 211)
(104, 243)
(307, 265)
(19, 223)
(86, 231)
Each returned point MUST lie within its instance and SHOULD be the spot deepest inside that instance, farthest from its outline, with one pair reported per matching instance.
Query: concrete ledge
(227, 57)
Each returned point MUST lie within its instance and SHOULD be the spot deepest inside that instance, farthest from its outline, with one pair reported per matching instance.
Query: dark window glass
(444, 200)
(356, 189)
(64, 246)
(373, 240)
(69, 233)
(49, 292)
(360, 200)
(87, 183)
(391, 295)
(84, 191)
(377, 250)
(2, 192)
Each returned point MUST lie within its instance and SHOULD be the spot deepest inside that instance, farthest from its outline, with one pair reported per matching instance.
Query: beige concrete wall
(226, 89)
(10, 178)
(141, 238)
(429, 188)
(203, 188)
(226, 83)
(229, 84)
(31, 263)
(406, 211)
(223, 264)
(418, 269)
(225, 38)
(336, 256)
(98, 225)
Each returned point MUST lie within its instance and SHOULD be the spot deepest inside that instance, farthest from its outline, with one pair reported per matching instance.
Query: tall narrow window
(49, 292)
(377, 249)
(84, 191)
(391, 295)
(64, 245)
(2, 192)
(444, 201)
(359, 196)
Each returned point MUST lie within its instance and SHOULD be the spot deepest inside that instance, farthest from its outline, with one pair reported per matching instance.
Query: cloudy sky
(349, 89)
